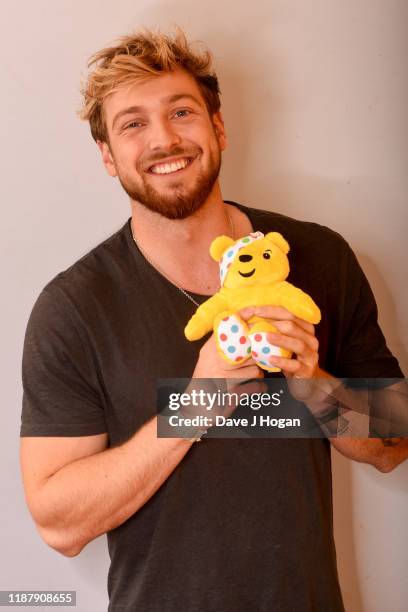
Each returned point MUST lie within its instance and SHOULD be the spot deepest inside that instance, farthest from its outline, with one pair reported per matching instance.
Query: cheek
(128, 154)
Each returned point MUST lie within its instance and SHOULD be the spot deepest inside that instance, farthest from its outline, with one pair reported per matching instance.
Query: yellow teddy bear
(253, 270)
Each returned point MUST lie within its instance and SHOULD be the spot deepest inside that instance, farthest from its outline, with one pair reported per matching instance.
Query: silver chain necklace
(190, 297)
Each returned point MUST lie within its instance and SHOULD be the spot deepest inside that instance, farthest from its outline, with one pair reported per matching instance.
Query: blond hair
(143, 55)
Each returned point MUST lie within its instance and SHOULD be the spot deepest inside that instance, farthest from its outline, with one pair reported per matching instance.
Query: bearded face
(174, 184)
(164, 146)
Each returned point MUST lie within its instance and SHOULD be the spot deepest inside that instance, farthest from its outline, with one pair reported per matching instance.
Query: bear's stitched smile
(246, 274)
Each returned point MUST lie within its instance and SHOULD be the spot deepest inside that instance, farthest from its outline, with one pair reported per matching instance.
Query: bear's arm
(202, 321)
(299, 303)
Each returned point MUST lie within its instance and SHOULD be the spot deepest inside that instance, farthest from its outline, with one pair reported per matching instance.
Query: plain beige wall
(314, 97)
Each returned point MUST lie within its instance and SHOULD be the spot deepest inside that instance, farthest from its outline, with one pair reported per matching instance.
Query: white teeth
(167, 168)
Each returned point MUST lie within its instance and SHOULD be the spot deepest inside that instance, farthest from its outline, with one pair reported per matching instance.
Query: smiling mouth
(246, 274)
(170, 168)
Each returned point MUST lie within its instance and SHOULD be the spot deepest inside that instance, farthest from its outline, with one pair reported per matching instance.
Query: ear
(107, 158)
(219, 128)
(279, 241)
(219, 245)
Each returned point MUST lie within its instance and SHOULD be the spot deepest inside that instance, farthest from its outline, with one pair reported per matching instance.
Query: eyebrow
(166, 100)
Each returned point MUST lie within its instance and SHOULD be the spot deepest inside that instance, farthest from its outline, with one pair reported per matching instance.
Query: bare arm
(77, 488)
(86, 489)
(385, 454)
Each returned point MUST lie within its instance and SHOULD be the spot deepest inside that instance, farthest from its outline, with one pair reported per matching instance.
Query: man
(224, 525)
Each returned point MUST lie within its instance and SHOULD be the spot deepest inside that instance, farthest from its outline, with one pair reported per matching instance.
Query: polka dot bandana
(229, 254)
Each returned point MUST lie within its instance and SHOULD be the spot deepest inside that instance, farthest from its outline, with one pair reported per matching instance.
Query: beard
(182, 199)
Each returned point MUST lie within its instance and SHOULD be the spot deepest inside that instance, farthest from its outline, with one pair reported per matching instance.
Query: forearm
(93, 495)
(384, 454)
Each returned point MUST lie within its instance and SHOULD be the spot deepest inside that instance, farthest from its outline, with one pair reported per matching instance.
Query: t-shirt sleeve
(60, 381)
(364, 352)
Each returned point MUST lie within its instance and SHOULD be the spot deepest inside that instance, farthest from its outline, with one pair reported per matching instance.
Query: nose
(245, 258)
(163, 135)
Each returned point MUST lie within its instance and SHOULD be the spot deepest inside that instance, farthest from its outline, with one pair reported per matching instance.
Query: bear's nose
(244, 258)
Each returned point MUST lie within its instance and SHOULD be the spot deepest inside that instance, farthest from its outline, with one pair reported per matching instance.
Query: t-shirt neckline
(141, 259)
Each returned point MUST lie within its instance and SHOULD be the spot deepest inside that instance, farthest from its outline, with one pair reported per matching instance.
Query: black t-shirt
(241, 524)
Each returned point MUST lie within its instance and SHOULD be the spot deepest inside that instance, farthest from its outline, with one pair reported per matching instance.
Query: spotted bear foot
(262, 349)
(231, 336)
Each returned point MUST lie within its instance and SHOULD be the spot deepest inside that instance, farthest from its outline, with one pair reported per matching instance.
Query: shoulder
(91, 285)
(97, 270)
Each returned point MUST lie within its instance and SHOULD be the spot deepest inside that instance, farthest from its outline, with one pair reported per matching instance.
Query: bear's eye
(266, 255)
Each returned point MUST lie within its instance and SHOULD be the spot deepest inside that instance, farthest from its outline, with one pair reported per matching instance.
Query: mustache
(176, 152)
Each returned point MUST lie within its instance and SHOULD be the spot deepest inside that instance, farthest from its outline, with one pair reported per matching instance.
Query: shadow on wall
(343, 520)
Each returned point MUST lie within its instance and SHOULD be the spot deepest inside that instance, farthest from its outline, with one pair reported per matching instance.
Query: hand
(296, 335)
(211, 365)
(234, 378)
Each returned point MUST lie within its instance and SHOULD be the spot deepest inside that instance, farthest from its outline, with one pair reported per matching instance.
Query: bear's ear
(279, 240)
(219, 245)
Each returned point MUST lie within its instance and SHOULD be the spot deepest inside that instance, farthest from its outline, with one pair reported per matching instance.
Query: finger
(293, 330)
(290, 366)
(239, 365)
(245, 373)
(246, 313)
(281, 314)
(300, 346)
(299, 367)
(310, 362)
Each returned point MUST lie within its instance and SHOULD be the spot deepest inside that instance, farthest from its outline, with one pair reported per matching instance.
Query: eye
(133, 124)
(182, 113)
(266, 255)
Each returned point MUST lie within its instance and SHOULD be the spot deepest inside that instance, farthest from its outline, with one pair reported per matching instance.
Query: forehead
(152, 93)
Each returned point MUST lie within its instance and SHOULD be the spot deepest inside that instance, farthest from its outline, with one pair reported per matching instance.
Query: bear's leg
(262, 349)
(231, 337)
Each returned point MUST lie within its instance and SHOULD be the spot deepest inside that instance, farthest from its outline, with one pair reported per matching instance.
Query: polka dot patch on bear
(264, 349)
(232, 339)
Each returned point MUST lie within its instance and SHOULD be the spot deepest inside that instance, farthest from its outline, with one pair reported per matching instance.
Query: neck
(179, 248)
(181, 235)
